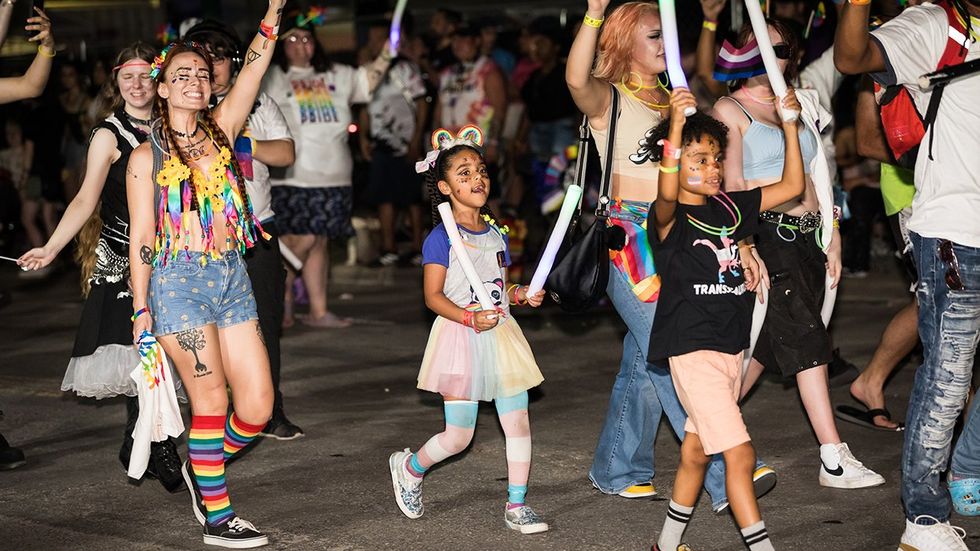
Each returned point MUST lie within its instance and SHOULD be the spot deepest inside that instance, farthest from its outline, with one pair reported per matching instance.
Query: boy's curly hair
(697, 126)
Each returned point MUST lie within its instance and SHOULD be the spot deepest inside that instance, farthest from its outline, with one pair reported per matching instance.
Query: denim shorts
(186, 295)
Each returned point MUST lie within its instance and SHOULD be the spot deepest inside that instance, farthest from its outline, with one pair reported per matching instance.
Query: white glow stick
(672, 48)
(758, 319)
(289, 256)
(8, 258)
(761, 31)
(829, 299)
(395, 34)
(446, 212)
(568, 207)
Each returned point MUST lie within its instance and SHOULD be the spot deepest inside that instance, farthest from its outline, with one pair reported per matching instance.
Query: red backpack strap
(959, 38)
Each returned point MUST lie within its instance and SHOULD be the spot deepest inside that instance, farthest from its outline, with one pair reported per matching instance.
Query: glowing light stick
(758, 319)
(568, 207)
(289, 256)
(456, 240)
(829, 298)
(395, 34)
(672, 48)
(761, 31)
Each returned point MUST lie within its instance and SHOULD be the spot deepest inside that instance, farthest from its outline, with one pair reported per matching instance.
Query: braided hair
(439, 172)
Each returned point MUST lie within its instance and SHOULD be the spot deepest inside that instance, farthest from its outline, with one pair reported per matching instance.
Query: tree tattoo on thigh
(193, 340)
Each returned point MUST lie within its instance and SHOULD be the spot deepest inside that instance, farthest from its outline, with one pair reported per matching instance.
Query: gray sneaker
(408, 489)
(524, 520)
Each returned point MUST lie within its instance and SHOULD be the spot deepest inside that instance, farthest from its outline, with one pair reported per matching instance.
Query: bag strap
(602, 209)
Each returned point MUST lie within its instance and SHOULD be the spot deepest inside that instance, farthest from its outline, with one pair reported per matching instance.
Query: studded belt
(808, 223)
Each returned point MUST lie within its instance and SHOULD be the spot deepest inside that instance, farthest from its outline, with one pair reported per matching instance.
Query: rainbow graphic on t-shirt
(314, 100)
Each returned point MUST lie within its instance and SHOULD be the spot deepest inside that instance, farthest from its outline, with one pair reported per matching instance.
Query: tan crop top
(630, 158)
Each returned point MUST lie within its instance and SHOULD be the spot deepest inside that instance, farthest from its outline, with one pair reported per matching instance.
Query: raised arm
(668, 181)
(32, 83)
(707, 49)
(233, 111)
(139, 195)
(870, 134)
(101, 153)
(793, 181)
(853, 51)
(591, 95)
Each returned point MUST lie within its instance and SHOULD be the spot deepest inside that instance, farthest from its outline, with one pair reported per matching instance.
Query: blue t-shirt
(488, 250)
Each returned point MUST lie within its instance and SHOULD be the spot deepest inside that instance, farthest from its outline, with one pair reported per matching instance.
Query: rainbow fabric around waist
(635, 261)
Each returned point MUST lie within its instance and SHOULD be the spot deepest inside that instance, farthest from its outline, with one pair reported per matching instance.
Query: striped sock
(757, 537)
(238, 434)
(677, 518)
(204, 447)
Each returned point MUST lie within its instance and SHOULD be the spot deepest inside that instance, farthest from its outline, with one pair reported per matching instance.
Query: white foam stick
(761, 31)
(758, 319)
(456, 240)
(568, 207)
(8, 258)
(395, 34)
(829, 299)
(672, 48)
(290, 256)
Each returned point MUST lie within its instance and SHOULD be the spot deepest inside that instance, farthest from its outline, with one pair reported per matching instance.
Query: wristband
(670, 170)
(592, 21)
(710, 25)
(41, 51)
(513, 288)
(670, 152)
(859, 2)
(268, 31)
(837, 213)
(138, 313)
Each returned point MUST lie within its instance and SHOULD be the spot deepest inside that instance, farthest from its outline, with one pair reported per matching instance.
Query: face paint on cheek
(694, 180)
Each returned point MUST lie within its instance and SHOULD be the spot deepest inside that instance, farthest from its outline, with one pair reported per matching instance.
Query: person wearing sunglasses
(790, 241)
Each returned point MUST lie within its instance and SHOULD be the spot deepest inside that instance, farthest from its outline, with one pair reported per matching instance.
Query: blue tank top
(764, 148)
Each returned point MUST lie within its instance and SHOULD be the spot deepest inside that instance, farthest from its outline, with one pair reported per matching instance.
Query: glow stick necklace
(723, 231)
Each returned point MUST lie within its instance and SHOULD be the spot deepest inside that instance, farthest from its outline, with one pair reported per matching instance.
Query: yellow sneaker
(763, 480)
(644, 489)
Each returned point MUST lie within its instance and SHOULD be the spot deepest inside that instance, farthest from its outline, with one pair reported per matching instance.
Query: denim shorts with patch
(186, 295)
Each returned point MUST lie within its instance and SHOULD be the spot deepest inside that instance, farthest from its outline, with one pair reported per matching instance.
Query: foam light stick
(456, 240)
(758, 319)
(289, 256)
(829, 298)
(395, 34)
(761, 31)
(672, 48)
(568, 207)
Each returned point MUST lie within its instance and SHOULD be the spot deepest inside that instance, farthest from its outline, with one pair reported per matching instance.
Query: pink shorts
(708, 384)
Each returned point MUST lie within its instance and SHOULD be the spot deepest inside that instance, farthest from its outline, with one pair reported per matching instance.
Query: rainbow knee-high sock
(238, 434)
(205, 445)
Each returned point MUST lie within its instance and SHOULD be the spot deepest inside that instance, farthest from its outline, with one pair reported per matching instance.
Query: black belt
(808, 223)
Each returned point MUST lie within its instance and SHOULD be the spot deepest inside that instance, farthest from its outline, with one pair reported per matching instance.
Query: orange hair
(616, 41)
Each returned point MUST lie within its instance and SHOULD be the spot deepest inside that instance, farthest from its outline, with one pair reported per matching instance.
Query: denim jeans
(966, 456)
(640, 395)
(949, 327)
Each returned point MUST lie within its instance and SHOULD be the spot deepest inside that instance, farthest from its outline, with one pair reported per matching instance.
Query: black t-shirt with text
(703, 302)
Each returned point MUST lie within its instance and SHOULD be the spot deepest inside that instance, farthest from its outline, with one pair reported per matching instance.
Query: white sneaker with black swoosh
(840, 469)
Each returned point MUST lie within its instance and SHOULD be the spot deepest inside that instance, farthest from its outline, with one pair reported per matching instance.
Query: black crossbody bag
(578, 280)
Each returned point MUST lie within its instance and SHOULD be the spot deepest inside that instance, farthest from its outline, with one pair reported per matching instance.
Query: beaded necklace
(722, 231)
(216, 190)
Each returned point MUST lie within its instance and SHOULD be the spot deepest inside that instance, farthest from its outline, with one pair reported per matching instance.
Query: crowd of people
(189, 173)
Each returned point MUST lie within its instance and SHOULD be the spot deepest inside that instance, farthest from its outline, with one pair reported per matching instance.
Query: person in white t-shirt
(945, 234)
(313, 199)
(264, 142)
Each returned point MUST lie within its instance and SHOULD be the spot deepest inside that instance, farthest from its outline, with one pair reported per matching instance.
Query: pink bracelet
(669, 150)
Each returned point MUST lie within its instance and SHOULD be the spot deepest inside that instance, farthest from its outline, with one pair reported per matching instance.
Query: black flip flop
(866, 418)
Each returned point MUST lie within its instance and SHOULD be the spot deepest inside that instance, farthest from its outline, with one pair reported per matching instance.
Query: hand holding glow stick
(456, 240)
(672, 48)
(761, 31)
(395, 35)
(568, 207)
(14, 260)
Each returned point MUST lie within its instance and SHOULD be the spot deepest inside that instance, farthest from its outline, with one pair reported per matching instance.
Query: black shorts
(393, 180)
(793, 337)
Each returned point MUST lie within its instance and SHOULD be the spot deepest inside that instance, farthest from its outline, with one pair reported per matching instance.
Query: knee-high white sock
(677, 518)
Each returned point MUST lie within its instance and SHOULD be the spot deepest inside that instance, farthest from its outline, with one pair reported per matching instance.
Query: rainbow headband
(443, 139)
(161, 58)
(316, 15)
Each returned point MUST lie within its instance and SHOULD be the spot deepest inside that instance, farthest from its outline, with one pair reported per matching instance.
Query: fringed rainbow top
(216, 191)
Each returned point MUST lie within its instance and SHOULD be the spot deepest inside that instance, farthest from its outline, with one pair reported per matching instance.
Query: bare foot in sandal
(872, 396)
(328, 321)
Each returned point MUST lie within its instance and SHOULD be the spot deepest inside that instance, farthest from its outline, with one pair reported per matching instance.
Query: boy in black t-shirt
(704, 314)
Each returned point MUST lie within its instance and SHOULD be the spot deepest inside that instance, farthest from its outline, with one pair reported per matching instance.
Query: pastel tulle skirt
(462, 363)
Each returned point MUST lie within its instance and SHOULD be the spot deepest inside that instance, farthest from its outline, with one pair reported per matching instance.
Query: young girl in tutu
(472, 354)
